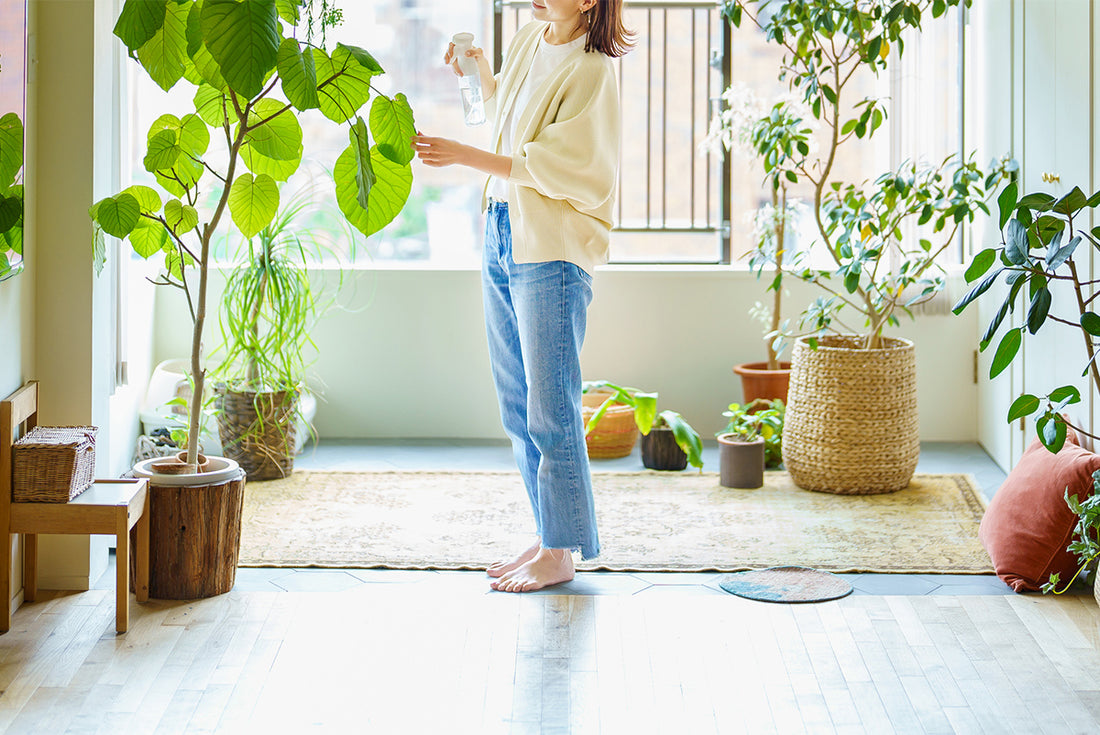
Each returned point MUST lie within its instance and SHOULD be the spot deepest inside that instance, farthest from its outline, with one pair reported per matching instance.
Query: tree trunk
(194, 539)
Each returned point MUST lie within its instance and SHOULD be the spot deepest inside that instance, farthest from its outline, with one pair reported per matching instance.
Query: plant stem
(197, 373)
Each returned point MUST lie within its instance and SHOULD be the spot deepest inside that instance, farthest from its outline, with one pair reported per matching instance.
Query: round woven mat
(786, 584)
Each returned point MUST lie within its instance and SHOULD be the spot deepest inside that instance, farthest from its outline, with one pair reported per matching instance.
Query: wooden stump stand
(194, 539)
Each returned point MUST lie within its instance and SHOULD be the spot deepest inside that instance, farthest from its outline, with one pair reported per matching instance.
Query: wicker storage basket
(615, 433)
(851, 422)
(258, 431)
(53, 464)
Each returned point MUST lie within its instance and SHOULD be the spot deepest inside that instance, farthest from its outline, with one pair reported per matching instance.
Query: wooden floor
(449, 658)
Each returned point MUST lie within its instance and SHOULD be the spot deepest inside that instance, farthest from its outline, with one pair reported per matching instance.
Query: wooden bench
(107, 507)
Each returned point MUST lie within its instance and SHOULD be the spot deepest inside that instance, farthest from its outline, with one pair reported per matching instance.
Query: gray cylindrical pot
(741, 464)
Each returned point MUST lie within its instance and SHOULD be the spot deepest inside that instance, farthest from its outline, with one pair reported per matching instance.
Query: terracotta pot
(661, 452)
(759, 382)
(740, 463)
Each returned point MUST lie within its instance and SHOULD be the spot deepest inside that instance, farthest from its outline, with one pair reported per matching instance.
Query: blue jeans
(535, 317)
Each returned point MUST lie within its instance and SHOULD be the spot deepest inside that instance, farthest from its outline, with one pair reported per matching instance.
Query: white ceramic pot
(221, 470)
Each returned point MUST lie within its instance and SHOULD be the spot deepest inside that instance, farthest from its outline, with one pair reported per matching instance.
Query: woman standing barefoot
(549, 197)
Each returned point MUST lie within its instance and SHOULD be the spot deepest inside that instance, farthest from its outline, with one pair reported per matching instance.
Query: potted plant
(753, 128)
(253, 78)
(668, 441)
(743, 446)
(841, 365)
(268, 309)
(1040, 254)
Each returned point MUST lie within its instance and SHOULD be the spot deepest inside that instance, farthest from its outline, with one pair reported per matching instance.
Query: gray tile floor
(472, 455)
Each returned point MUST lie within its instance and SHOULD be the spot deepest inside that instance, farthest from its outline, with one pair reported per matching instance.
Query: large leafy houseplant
(1043, 250)
(872, 271)
(1041, 247)
(253, 78)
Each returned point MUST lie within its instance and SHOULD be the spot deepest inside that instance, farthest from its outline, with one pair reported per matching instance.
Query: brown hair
(606, 32)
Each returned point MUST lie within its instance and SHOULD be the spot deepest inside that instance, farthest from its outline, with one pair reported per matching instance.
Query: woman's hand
(439, 152)
(488, 81)
(474, 53)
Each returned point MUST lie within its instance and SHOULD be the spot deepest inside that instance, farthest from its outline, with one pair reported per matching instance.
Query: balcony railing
(672, 205)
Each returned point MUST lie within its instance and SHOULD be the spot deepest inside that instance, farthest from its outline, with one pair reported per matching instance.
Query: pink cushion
(1028, 526)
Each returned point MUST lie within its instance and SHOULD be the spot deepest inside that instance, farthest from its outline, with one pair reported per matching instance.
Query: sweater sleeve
(575, 156)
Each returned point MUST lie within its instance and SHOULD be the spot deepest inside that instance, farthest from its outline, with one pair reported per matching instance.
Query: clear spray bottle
(469, 84)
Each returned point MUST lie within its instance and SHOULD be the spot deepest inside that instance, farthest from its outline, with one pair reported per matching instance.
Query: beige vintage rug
(648, 521)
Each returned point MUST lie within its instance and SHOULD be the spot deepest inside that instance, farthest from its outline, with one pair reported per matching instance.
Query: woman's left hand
(439, 152)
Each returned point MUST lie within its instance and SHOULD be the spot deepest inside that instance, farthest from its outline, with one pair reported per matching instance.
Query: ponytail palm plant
(253, 77)
(268, 310)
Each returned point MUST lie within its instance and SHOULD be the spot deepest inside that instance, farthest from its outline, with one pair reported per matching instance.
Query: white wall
(408, 357)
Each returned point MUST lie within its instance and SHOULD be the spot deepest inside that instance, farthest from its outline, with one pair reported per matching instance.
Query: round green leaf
(278, 135)
(11, 148)
(139, 21)
(343, 84)
(253, 202)
(162, 152)
(148, 237)
(147, 198)
(211, 105)
(164, 53)
(298, 75)
(276, 169)
(387, 196)
(118, 215)
(179, 216)
(243, 37)
(391, 122)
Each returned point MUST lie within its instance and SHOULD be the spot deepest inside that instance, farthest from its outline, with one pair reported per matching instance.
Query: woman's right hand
(474, 53)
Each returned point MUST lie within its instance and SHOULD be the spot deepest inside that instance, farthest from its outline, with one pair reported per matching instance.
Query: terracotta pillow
(1028, 526)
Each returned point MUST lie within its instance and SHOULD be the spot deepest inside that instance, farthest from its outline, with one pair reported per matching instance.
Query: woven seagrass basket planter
(851, 422)
(615, 433)
(258, 431)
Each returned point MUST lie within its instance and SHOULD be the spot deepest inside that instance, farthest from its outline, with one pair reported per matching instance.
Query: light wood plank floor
(450, 658)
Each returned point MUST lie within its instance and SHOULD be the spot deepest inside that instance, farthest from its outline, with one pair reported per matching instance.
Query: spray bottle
(469, 84)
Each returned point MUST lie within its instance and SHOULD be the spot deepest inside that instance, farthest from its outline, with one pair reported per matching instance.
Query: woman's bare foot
(548, 567)
(500, 568)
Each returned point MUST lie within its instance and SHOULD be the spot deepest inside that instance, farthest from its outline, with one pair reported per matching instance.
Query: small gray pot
(741, 464)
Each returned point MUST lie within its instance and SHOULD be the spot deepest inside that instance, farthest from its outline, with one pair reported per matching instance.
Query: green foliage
(253, 77)
(646, 416)
(761, 418)
(1086, 535)
(1041, 237)
(11, 195)
(859, 225)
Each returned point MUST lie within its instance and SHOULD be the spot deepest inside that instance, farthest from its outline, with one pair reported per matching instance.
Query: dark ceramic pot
(661, 452)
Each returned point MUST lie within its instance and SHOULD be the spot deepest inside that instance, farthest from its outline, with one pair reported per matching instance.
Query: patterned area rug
(649, 521)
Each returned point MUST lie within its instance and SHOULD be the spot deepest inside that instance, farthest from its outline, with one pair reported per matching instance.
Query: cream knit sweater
(566, 154)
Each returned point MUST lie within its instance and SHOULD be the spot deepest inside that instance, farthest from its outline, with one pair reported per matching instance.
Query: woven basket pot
(851, 423)
(615, 433)
(258, 430)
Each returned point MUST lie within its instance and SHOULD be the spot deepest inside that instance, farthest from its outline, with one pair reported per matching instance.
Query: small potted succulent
(742, 445)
